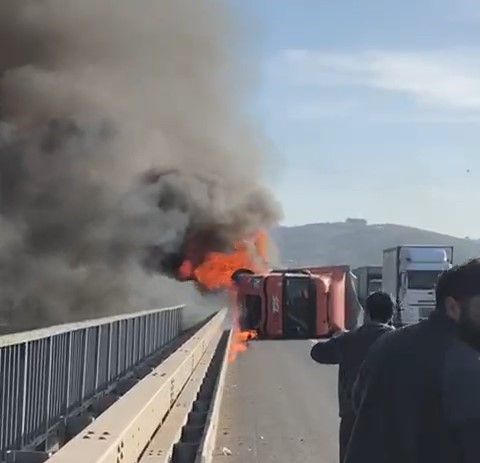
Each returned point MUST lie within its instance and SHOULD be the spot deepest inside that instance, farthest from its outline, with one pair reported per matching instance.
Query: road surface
(278, 407)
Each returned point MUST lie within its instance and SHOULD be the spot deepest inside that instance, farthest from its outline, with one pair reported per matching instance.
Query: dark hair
(379, 306)
(461, 282)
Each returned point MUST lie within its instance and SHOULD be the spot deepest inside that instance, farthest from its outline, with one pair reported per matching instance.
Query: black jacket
(417, 398)
(349, 351)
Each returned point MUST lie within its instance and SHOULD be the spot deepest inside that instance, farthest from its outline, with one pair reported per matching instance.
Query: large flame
(216, 270)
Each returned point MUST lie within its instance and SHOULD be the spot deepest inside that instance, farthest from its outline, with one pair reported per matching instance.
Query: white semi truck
(409, 275)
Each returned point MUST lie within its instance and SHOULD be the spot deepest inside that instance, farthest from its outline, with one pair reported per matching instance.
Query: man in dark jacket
(349, 350)
(417, 396)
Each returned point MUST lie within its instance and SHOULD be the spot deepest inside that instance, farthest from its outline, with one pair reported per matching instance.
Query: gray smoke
(95, 96)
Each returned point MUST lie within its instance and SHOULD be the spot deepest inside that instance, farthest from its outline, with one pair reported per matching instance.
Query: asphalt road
(278, 407)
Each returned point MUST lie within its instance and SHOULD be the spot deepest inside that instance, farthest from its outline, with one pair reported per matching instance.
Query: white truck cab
(409, 274)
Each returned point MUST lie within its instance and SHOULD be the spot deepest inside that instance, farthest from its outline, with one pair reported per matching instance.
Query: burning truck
(297, 303)
(288, 303)
(212, 272)
(280, 303)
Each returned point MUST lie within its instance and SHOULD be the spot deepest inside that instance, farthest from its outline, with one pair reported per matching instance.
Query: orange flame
(239, 342)
(239, 339)
(217, 268)
(216, 271)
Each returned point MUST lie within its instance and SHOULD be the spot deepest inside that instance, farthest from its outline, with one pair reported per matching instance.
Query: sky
(372, 108)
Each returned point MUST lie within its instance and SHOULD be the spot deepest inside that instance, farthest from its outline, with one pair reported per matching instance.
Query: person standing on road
(348, 350)
(417, 396)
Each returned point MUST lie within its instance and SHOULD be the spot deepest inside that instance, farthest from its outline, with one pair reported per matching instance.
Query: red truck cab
(294, 303)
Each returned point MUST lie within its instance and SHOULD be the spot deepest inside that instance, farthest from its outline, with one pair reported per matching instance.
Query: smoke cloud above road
(124, 126)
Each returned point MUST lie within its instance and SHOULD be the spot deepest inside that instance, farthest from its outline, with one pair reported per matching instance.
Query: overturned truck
(298, 303)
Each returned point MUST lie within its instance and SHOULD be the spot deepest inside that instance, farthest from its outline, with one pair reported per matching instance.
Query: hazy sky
(374, 109)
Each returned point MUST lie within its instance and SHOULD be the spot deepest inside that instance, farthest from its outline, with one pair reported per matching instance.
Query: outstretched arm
(328, 352)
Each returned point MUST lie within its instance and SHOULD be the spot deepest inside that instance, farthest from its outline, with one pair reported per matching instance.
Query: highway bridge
(142, 389)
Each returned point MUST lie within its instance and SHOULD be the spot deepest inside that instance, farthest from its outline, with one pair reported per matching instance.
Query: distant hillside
(356, 243)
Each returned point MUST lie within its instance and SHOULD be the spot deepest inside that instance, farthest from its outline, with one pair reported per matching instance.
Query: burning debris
(239, 342)
(125, 154)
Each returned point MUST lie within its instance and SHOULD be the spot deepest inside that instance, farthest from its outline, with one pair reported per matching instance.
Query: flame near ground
(215, 273)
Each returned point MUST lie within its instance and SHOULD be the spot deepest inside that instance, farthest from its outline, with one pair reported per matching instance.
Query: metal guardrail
(122, 432)
(51, 373)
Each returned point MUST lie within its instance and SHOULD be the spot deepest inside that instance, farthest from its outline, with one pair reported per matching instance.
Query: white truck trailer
(409, 275)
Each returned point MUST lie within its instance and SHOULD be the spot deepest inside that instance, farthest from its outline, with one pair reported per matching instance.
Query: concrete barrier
(207, 447)
(122, 433)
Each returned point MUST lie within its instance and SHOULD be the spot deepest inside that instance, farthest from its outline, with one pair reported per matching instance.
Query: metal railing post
(109, 353)
(48, 353)
(68, 375)
(98, 332)
(25, 346)
(84, 364)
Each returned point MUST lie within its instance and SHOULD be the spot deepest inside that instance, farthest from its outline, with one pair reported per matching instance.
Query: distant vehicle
(297, 303)
(369, 280)
(409, 274)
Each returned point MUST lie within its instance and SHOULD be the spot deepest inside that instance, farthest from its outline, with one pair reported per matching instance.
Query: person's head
(379, 307)
(458, 297)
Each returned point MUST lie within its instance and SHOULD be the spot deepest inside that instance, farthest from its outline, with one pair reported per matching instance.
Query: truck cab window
(374, 286)
(422, 279)
(299, 306)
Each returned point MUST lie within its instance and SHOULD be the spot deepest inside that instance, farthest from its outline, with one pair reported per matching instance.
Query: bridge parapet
(52, 373)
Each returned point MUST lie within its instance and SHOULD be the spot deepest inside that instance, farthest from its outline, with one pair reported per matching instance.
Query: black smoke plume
(124, 130)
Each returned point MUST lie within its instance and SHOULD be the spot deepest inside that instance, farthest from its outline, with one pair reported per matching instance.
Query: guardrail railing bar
(24, 392)
(84, 363)
(68, 375)
(48, 398)
(109, 355)
(119, 332)
(32, 335)
(97, 357)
